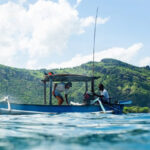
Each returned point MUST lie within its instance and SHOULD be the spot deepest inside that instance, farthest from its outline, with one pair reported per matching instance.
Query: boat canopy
(69, 77)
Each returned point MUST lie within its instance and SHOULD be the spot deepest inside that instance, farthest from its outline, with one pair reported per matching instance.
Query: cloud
(85, 22)
(38, 30)
(123, 54)
(77, 3)
(145, 61)
(21, 1)
(31, 63)
(90, 20)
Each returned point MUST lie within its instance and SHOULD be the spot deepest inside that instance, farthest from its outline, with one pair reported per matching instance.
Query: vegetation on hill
(136, 109)
(123, 81)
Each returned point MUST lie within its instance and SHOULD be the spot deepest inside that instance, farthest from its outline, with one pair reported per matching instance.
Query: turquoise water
(75, 131)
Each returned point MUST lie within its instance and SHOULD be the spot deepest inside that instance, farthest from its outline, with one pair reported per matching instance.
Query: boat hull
(27, 108)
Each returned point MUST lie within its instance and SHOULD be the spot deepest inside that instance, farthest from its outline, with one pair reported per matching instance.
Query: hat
(101, 86)
(69, 84)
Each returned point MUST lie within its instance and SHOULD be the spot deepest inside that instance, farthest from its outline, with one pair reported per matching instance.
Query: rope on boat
(8, 103)
(100, 103)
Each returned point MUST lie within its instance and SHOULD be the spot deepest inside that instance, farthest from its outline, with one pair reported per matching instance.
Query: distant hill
(122, 80)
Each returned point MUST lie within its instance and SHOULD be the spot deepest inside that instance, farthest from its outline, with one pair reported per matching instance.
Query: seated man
(104, 96)
(59, 88)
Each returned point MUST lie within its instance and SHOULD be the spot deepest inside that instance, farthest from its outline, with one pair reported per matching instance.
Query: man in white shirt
(59, 88)
(103, 94)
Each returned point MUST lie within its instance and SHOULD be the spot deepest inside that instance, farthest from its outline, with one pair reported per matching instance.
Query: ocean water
(75, 131)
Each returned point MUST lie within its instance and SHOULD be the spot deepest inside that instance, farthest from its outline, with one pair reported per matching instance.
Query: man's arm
(55, 85)
(101, 96)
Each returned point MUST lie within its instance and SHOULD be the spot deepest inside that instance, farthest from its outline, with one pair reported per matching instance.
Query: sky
(36, 34)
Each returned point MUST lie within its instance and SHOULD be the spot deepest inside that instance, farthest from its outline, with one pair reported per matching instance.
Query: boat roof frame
(69, 77)
(66, 78)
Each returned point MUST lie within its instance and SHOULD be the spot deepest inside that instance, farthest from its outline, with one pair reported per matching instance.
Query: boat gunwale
(42, 105)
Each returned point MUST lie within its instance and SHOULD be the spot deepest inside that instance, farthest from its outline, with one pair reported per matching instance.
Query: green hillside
(123, 81)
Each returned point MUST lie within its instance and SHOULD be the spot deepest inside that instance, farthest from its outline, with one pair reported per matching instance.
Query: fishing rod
(94, 37)
(94, 40)
(92, 90)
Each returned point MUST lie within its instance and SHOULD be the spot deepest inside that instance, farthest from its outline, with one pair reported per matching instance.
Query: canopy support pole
(50, 92)
(44, 92)
(86, 87)
(92, 86)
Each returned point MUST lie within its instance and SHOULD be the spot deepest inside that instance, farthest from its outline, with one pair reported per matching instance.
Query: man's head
(68, 85)
(101, 87)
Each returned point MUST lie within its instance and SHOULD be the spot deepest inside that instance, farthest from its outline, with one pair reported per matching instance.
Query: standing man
(58, 89)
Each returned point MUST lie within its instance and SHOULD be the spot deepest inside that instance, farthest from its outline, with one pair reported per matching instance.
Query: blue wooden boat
(11, 108)
(31, 109)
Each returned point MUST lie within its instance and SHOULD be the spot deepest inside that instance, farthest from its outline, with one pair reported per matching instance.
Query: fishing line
(94, 40)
